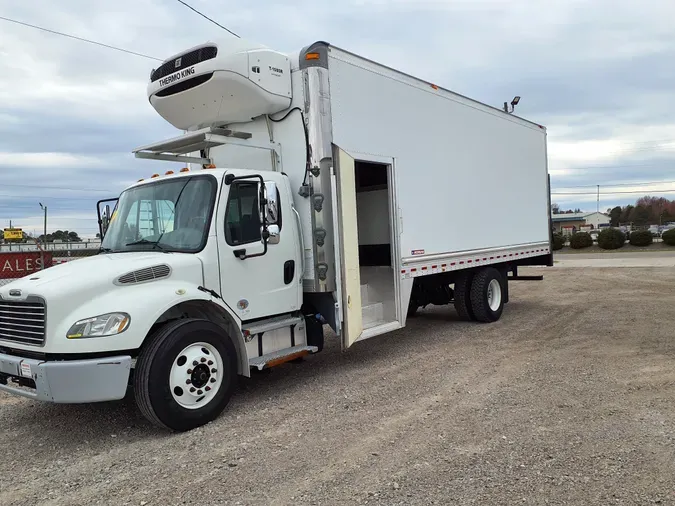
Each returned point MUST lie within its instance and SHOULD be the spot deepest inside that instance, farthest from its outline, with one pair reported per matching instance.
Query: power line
(619, 184)
(80, 38)
(634, 165)
(613, 193)
(206, 17)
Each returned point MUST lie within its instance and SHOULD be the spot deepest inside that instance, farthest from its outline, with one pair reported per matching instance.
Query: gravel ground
(568, 399)
(634, 259)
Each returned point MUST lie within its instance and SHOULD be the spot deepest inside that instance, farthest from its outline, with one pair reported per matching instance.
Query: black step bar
(516, 277)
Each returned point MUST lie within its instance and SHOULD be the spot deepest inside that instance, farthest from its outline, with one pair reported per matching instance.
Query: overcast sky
(598, 73)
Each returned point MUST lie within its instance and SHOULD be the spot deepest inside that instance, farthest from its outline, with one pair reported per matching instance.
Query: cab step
(281, 356)
(271, 324)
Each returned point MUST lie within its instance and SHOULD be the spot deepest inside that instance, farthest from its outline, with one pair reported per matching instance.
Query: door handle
(289, 271)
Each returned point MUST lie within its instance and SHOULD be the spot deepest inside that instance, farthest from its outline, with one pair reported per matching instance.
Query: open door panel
(349, 288)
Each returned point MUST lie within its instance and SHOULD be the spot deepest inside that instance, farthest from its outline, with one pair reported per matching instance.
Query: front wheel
(185, 375)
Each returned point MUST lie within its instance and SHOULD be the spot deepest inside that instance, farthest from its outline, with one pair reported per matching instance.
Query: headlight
(108, 324)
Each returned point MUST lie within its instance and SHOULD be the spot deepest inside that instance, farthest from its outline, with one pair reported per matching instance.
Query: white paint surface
(459, 164)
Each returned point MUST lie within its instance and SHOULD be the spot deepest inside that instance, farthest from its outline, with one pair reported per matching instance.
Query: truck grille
(23, 322)
(186, 60)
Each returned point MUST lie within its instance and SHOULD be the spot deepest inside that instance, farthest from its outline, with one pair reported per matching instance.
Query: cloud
(597, 73)
(49, 160)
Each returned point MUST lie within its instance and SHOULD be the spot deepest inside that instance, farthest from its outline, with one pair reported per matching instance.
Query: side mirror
(105, 222)
(272, 203)
(104, 217)
(273, 231)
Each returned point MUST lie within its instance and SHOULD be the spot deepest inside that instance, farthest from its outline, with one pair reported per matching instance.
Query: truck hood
(94, 275)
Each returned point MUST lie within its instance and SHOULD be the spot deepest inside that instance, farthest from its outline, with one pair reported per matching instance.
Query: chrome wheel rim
(196, 375)
(494, 294)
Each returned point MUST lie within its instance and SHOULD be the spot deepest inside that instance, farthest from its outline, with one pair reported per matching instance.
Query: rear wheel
(412, 308)
(487, 295)
(462, 295)
(185, 375)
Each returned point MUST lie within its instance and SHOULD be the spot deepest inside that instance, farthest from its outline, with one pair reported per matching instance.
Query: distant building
(574, 222)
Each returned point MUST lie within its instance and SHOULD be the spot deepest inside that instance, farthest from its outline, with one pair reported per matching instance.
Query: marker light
(312, 56)
(185, 169)
(168, 172)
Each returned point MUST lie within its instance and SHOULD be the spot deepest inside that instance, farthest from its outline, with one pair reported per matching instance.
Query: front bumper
(67, 381)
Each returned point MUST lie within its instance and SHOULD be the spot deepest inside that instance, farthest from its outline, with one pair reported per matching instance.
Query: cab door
(258, 278)
(347, 249)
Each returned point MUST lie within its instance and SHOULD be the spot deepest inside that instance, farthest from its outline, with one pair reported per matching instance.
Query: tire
(462, 294)
(487, 295)
(163, 362)
(412, 308)
(314, 332)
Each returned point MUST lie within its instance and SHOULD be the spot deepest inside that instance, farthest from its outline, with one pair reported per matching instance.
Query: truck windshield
(169, 215)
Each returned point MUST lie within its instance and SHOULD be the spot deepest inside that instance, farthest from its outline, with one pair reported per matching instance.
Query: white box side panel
(468, 177)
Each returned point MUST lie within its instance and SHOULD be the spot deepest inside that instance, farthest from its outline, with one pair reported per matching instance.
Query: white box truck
(314, 188)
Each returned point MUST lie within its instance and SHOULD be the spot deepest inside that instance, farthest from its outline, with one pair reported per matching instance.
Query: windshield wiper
(106, 250)
(145, 241)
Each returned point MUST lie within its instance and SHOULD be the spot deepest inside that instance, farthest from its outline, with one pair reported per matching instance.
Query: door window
(242, 218)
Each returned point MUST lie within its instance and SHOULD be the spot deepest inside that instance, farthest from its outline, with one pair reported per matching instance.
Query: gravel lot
(568, 399)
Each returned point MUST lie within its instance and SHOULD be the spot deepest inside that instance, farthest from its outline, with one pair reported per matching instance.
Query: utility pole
(44, 237)
(598, 198)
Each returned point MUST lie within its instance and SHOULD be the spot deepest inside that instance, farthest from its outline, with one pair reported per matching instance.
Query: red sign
(22, 263)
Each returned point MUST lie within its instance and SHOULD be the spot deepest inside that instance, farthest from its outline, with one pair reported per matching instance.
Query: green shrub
(641, 238)
(669, 237)
(558, 242)
(611, 238)
(581, 240)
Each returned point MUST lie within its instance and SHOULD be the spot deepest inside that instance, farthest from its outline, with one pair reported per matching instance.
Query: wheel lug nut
(213, 380)
(195, 363)
(199, 392)
(207, 388)
(189, 371)
(192, 389)
(202, 359)
(210, 362)
(188, 381)
(214, 370)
